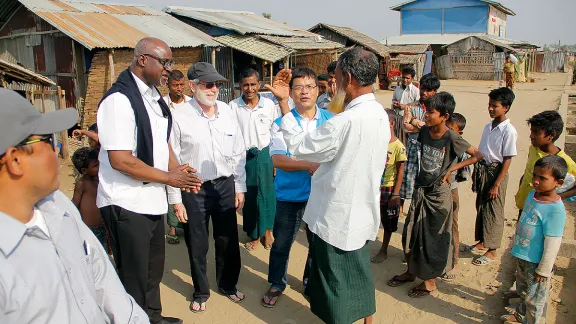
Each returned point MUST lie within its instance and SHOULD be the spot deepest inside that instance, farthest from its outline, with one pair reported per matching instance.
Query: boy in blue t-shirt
(537, 240)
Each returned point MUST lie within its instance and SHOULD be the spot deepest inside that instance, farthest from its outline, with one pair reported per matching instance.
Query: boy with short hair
(426, 238)
(390, 188)
(537, 240)
(545, 129)
(457, 124)
(490, 177)
(85, 160)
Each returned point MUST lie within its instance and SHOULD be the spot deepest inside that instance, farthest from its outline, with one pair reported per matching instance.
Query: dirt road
(468, 299)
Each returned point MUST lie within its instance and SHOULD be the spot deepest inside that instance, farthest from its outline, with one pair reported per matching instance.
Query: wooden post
(64, 133)
(271, 73)
(42, 98)
(214, 56)
(4, 83)
(287, 62)
(111, 65)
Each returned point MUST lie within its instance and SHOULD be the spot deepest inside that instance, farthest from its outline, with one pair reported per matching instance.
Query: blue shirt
(538, 219)
(293, 186)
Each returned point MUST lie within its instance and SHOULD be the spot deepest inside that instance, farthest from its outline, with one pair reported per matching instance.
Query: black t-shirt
(437, 155)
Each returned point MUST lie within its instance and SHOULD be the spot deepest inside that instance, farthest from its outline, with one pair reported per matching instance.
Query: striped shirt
(214, 146)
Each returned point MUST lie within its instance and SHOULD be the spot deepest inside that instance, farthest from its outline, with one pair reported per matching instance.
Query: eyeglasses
(299, 88)
(46, 139)
(167, 64)
(210, 85)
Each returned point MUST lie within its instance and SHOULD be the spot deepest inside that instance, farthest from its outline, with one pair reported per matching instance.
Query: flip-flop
(172, 239)
(200, 302)
(395, 282)
(235, 293)
(448, 276)
(473, 249)
(267, 246)
(482, 261)
(271, 294)
(418, 292)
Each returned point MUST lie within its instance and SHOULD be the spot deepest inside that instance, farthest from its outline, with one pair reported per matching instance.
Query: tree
(267, 15)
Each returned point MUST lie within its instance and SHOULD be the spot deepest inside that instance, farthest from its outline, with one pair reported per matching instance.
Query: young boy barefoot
(537, 240)
(85, 160)
(427, 234)
(389, 191)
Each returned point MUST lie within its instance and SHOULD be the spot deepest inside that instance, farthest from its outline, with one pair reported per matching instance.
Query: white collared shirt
(214, 146)
(277, 143)
(498, 142)
(405, 96)
(256, 122)
(172, 105)
(117, 132)
(343, 208)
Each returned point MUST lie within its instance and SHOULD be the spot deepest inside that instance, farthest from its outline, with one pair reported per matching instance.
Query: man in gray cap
(52, 268)
(206, 134)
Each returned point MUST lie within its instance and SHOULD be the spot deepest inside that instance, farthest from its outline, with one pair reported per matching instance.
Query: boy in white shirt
(490, 177)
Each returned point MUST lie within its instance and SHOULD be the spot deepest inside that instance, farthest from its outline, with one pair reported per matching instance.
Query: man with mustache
(136, 164)
(206, 133)
(174, 99)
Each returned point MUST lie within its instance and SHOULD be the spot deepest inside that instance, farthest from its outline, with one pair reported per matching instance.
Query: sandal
(271, 294)
(201, 302)
(473, 249)
(172, 239)
(229, 295)
(396, 282)
(418, 292)
(250, 246)
(267, 246)
(482, 261)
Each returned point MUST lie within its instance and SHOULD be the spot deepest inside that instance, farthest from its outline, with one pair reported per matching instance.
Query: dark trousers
(286, 225)
(215, 199)
(137, 242)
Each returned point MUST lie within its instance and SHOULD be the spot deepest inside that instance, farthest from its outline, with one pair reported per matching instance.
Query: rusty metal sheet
(64, 6)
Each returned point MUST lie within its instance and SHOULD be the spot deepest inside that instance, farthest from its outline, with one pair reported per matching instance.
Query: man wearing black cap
(52, 267)
(136, 164)
(207, 135)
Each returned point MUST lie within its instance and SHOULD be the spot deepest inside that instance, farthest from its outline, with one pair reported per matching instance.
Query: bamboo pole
(64, 133)
(111, 65)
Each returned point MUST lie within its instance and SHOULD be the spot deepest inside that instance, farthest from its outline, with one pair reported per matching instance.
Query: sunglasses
(210, 85)
(46, 139)
(167, 64)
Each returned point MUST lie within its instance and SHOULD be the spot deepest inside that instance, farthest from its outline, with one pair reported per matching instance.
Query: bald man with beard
(136, 164)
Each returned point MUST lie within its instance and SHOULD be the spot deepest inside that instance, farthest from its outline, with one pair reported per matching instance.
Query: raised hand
(281, 85)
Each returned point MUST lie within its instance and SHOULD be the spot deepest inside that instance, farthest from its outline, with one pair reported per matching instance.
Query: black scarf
(126, 85)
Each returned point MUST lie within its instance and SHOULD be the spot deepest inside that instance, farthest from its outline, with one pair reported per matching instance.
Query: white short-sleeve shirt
(256, 122)
(117, 132)
(498, 142)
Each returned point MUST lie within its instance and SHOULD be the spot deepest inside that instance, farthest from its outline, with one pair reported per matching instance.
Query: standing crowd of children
(427, 168)
(425, 164)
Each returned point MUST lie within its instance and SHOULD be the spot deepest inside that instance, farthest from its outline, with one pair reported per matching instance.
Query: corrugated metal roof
(356, 37)
(497, 5)
(22, 74)
(494, 42)
(304, 43)
(255, 46)
(242, 22)
(413, 49)
(98, 25)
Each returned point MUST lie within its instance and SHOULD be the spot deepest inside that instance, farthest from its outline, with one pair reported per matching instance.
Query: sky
(536, 21)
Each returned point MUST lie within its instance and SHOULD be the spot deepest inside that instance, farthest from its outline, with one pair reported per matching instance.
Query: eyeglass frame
(300, 87)
(216, 84)
(167, 64)
(51, 139)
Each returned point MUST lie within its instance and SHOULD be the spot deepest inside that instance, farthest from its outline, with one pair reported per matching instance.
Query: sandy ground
(474, 297)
